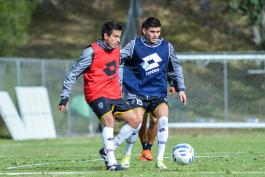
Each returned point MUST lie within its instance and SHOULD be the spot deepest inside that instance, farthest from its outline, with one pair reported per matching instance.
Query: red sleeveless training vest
(101, 79)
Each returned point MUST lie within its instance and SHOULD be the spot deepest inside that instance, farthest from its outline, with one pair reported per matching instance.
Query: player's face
(152, 34)
(114, 39)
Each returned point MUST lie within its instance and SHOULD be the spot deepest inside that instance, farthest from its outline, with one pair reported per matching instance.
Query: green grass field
(240, 153)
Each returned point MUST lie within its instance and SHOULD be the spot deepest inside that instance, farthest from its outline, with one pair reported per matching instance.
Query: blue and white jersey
(145, 69)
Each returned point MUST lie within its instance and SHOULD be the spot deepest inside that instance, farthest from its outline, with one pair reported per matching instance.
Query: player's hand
(63, 105)
(183, 97)
(172, 91)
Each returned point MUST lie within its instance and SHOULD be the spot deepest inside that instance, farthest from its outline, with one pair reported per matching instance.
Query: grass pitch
(240, 153)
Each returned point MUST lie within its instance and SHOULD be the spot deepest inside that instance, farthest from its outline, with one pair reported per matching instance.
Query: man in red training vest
(99, 64)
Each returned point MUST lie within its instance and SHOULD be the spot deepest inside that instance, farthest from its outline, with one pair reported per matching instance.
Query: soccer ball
(183, 154)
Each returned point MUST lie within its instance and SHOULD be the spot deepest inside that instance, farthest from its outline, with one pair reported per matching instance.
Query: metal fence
(220, 88)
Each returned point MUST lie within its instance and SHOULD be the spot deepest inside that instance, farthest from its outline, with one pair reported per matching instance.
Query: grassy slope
(222, 154)
(190, 29)
(62, 31)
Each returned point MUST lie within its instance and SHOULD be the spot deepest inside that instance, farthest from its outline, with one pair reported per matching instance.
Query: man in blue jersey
(147, 59)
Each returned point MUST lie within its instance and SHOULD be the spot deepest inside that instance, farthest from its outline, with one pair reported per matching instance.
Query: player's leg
(152, 130)
(130, 141)
(143, 131)
(108, 138)
(143, 135)
(103, 110)
(129, 128)
(150, 135)
(137, 106)
(132, 124)
(161, 112)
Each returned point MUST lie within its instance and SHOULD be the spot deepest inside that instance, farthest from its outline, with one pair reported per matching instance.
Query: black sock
(144, 145)
(149, 146)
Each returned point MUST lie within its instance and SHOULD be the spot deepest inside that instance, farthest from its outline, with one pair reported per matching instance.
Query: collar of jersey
(148, 44)
(104, 46)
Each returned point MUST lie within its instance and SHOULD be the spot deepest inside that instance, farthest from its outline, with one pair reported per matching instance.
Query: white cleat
(161, 165)
(125, 162)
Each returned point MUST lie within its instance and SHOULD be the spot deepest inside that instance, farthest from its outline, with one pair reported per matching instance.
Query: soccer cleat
(146, 155)
(103, 155)
(114, 167)
(125, 162)
(161, 165)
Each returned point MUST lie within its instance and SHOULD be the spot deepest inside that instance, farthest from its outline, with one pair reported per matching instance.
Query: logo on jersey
(110, 68)
(132, 101)
(150, 64)
(100, 105)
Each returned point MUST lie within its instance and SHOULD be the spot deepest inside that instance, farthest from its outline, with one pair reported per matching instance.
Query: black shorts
(101, 106)
(148, 105)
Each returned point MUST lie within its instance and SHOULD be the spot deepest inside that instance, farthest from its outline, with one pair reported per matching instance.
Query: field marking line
(51, 163)
(93, 160)
(91, 172)
(134, 154)
(169, 157)
(47, 173)
(220, 153)
(220, 172)
(214, 156)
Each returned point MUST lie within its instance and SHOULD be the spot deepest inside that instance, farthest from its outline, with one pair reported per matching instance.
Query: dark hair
(108, 27)
(151, 22)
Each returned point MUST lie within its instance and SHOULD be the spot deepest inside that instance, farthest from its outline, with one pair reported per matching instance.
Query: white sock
(107, 136)
(131, 140)
(162, 135)
(125, 132)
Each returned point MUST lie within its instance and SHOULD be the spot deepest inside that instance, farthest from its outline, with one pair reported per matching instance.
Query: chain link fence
(221, 90)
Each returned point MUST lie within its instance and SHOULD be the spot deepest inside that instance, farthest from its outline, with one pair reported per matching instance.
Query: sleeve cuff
(179, 89)
(63, 101)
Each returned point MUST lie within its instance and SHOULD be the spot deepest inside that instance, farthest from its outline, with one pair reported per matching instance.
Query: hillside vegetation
(63, 29)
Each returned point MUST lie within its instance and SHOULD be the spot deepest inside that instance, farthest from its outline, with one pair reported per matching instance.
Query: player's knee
(135, 121)
(153, 121)
(108, 121)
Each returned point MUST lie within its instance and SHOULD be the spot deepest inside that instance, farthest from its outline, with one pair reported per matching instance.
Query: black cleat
(103, 155)
(114, 167)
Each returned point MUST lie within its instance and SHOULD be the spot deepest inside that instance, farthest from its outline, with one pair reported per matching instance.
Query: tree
(255, 10)
(15, 18)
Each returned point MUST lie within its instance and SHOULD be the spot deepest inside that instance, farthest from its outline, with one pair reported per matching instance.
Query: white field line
(223, 172)
(196, 153)
(91, 172)
(51, 163)
(230, 155)
(226, 156)
(219, 153)
(214, 156)
(93, 160)
(46, 173)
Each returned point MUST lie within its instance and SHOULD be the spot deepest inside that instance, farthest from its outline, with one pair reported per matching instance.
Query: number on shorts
(139, 102)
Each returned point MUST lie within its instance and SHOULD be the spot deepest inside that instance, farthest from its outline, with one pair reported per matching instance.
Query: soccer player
(99, 64)
(147, 134)
(145, 81)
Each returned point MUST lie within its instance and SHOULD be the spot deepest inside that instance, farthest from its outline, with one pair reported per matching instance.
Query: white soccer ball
(183, 154)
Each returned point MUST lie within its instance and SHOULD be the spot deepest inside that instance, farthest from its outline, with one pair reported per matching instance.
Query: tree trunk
(257, 35)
